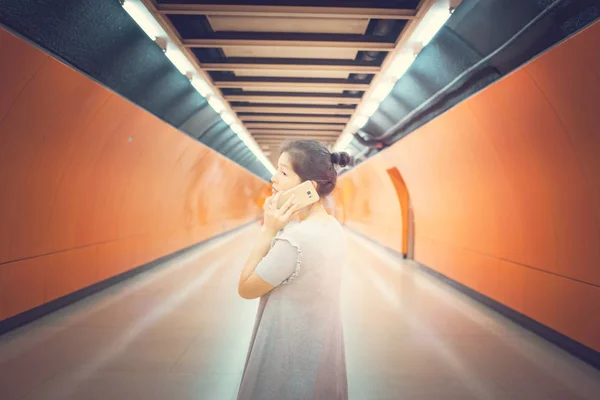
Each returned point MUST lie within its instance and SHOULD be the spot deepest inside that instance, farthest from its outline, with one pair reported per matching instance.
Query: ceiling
(296, 69)
(290, 69)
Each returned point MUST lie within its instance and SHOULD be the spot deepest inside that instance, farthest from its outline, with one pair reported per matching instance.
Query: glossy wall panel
(93, 185)
(506, 190)
(370, 203)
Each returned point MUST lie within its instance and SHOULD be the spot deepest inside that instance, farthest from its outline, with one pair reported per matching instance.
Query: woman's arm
(248, 290)
(251, 285)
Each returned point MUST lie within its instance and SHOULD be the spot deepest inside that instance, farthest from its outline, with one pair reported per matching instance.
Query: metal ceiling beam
(222, 43)
(285, 11)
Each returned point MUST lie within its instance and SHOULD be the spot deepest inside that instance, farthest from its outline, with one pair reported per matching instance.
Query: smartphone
(305, 193)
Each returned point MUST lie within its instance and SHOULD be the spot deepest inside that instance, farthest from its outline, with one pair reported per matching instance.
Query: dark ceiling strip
(285, 11)
(261, 80)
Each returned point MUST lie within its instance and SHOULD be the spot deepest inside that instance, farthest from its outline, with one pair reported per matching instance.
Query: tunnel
(138, 144)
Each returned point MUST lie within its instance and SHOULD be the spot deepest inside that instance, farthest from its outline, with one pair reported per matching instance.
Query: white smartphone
(305, 193)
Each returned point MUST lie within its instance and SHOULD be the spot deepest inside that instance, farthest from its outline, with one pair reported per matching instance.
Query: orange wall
(370, 203)
(403, 200)
(506, 190)
(79, 202)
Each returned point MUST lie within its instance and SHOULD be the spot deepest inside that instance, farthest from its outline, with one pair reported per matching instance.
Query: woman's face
(284, 178)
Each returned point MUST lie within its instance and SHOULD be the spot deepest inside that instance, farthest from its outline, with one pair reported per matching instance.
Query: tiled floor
(181, 332)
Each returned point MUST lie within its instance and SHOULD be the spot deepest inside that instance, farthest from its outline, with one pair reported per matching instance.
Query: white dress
(297, 346)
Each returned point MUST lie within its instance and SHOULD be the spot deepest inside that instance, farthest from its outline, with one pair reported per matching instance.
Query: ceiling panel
(275, 88)
(229, 23)
(294, 74)
(290, 52)
(294, 118)
(296, 68)
(136, 68)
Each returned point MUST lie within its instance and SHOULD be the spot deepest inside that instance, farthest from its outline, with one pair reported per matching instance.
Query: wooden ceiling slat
(227, 66)
(271, 89)
(289, 103)
(284, 139)
(307, 53)
(278, 143)
(285, 11)
(269, 132)
(354, 45)
(295, 110)
(321, 127)
(286, 118)
(300, 132)
(293, 99)
(305, 73)
(277, 137)
(291, 85)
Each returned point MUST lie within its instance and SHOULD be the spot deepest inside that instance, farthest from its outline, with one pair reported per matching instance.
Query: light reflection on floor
(180, 331)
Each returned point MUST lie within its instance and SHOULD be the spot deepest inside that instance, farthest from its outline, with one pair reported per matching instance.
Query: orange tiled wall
(506, 190)
(79, 201)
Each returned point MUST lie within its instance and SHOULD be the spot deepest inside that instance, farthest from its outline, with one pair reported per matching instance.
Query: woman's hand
(277, 218)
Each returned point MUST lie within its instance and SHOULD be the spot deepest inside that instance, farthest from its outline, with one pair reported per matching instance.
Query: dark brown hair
(312, 161)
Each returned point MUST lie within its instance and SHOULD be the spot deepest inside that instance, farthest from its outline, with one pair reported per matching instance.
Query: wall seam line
(512, 262)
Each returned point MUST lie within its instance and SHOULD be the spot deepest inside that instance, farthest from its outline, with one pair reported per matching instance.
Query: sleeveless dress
(297, 345)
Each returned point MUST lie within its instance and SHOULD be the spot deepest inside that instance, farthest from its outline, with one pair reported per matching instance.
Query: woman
(297, 346)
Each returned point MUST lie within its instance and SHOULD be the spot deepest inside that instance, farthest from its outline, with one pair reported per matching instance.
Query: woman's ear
(314, 184)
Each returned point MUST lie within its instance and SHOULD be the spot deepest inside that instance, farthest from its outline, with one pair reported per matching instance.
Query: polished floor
(180, 331)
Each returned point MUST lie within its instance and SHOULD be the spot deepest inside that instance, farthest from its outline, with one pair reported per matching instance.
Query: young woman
(297, 346)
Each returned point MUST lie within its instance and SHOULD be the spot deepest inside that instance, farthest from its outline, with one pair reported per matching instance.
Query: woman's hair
(312, 161)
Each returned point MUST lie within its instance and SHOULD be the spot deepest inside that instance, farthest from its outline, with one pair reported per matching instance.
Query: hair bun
(342, 158)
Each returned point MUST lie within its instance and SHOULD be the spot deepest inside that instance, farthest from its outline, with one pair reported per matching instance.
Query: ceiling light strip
(430, 17)
(160, 29)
